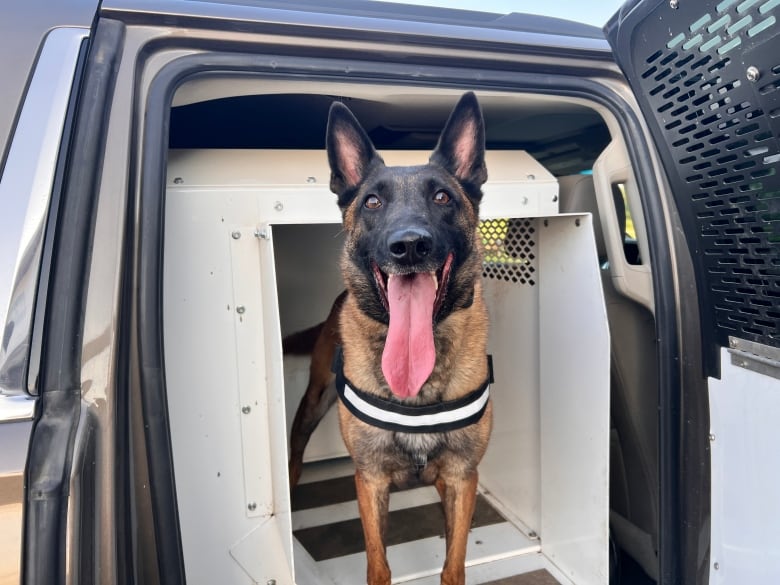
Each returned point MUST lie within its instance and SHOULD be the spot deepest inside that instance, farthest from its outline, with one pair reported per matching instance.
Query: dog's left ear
(461, 147)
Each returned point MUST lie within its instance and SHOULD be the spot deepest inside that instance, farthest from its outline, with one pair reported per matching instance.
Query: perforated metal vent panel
(707, 75)
(510, 253)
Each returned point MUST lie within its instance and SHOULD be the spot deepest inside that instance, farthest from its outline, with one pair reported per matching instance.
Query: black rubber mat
(407, 525)
(325, 493)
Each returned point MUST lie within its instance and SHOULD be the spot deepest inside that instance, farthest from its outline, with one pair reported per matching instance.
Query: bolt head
(278, 206)
(240, 309)
(674, 4)
(716, 566)
(246, 409)
(752, 73)
(236, 235)
(178, 181)
(712, 436)
(251, 506)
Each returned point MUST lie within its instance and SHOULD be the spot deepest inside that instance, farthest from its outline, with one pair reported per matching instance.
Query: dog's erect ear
(461, 147)
(350, 151)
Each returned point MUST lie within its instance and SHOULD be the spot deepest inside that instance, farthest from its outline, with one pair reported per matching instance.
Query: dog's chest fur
(420, 446)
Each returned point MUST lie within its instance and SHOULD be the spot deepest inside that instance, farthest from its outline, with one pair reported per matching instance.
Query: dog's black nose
(410, 246)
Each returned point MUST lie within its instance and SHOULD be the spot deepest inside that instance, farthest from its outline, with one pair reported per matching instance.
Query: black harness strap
(392, 415)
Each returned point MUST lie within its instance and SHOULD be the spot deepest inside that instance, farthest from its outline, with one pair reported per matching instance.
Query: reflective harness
(392, 415)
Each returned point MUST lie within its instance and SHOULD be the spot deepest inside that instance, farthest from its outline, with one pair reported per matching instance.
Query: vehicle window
(626, 224)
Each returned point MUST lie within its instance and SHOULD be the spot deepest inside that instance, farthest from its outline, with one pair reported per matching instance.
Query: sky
(595, 12)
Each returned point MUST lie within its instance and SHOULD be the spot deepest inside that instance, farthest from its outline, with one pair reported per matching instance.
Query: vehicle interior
(575, 146)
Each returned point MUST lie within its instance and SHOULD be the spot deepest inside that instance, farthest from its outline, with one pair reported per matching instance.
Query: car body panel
(31, 168)
(28, 183)
(107, 400)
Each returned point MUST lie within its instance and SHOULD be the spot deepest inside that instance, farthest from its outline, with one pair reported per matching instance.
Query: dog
(408, 337)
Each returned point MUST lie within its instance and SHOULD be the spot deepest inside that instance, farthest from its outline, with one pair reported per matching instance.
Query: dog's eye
(441, 197)
(372, 202)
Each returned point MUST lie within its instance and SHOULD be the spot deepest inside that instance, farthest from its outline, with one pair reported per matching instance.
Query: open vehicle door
(706, 74)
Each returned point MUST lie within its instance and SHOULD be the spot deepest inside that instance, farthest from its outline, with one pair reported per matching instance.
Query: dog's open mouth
(440, 277)
(412, 301)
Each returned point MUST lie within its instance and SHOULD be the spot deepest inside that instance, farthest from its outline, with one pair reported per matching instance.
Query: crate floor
(329, 537)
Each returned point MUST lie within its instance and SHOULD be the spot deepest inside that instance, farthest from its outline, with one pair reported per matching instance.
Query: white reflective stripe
(420, 420)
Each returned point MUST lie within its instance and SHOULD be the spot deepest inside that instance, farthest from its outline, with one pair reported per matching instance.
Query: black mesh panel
(709, 74)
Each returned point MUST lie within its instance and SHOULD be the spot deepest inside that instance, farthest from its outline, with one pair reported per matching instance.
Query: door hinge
(755, 357)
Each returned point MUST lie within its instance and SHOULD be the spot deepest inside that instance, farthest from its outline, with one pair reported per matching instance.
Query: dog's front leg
(458, 494)
(373, 494)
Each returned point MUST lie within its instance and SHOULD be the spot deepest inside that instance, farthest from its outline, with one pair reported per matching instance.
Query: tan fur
(461, 344)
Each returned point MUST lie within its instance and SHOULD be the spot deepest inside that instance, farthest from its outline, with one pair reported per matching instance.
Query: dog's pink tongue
(409, 354)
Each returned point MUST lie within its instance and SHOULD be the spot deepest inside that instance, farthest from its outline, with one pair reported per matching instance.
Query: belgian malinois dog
(412, 326)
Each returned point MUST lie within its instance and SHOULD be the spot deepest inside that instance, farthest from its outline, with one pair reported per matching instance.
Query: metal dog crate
(252, 239)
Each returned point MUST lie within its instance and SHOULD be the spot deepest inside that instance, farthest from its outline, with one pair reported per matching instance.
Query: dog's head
(412, 254)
